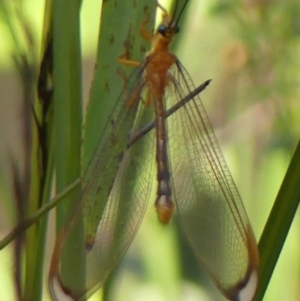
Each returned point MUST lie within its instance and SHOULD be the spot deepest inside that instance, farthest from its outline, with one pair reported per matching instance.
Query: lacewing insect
(180, 148)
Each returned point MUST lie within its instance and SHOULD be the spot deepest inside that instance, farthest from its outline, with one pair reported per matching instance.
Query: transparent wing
(209, 205)
(116, 189)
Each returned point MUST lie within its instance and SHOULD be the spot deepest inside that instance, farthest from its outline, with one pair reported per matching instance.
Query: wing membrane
(116, 188)
(209, 205)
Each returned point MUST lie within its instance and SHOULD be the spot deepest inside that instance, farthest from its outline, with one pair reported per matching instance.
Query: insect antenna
(174, 14)
(181, 11)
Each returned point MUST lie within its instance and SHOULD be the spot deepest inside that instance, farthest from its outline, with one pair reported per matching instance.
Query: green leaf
(279, 223)
(67, 99)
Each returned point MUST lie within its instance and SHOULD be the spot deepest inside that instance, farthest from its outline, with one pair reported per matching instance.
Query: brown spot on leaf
(106, 85)
(112, 40)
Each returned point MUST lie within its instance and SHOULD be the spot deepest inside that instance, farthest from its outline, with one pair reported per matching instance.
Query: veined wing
(209, 205)
(116, 189)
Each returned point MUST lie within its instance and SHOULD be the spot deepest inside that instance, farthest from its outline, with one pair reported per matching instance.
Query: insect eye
(176, 28)
(165, 30)
(162, 29)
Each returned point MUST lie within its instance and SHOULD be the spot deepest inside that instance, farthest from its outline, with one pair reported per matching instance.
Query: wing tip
(247, 292)
(244, 290)
(57, 290)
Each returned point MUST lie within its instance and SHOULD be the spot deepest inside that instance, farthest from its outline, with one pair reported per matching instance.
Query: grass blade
(279, 222)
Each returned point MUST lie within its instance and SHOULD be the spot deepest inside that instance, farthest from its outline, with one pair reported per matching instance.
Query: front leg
(123, 59)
